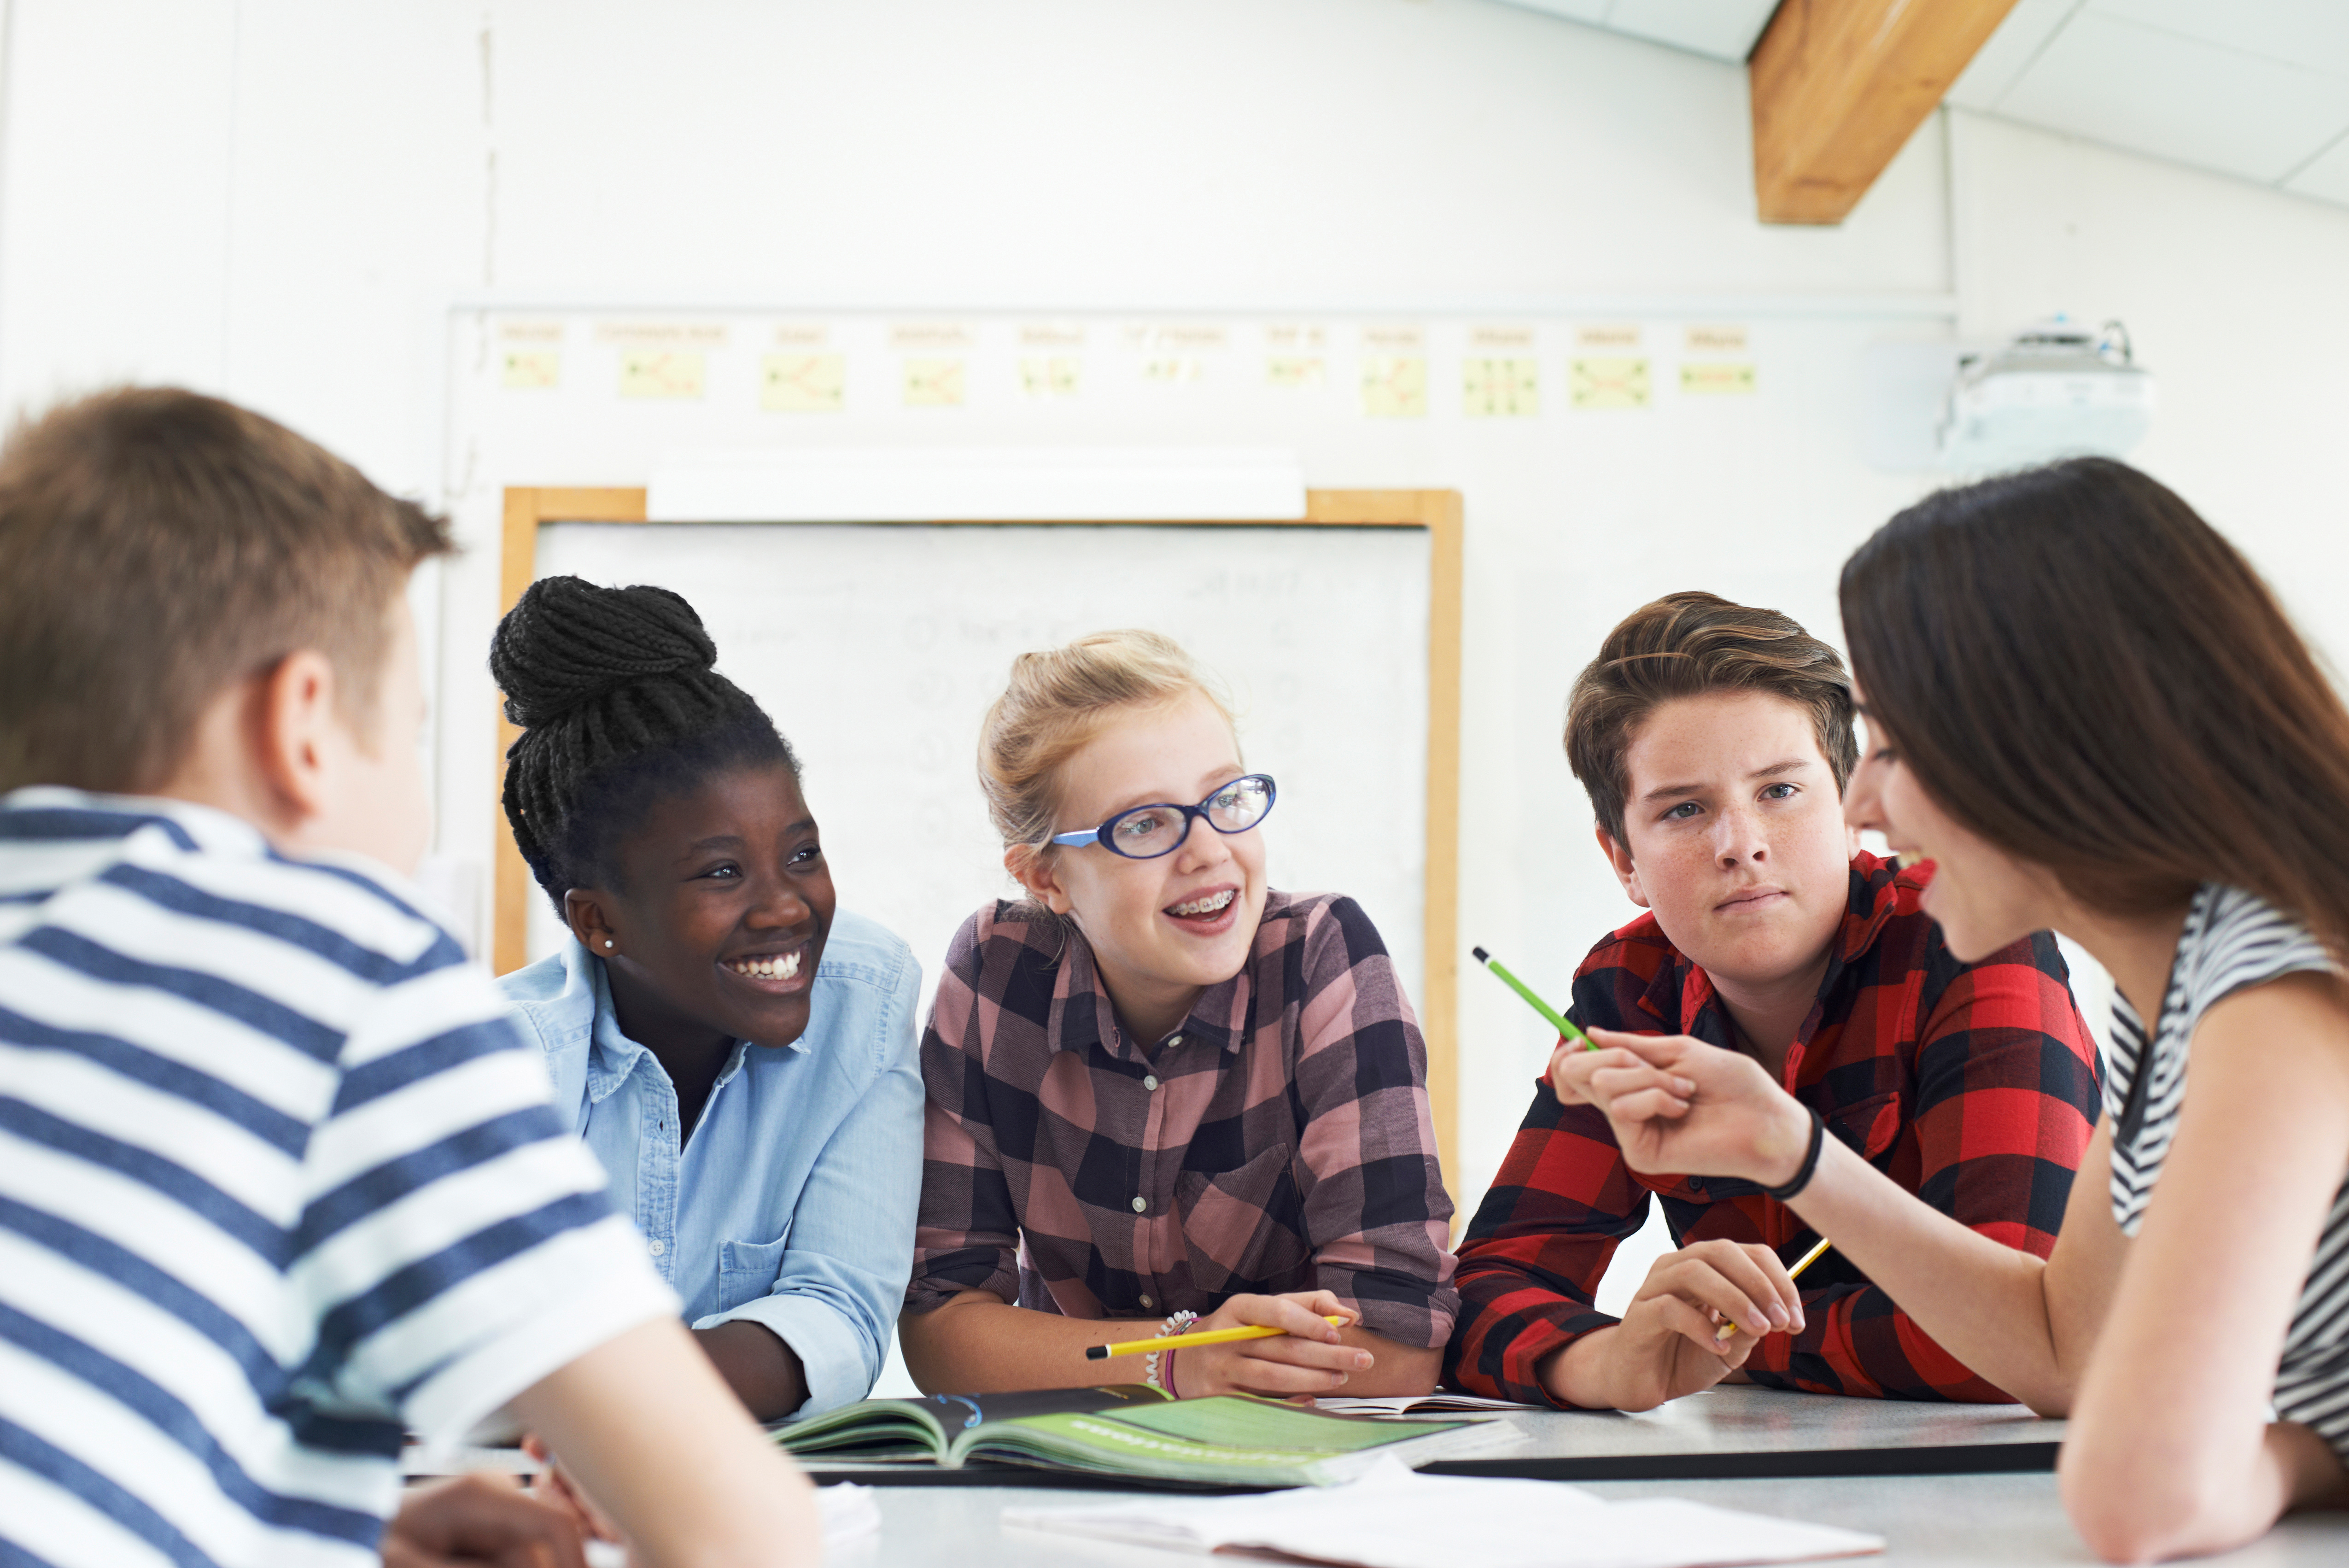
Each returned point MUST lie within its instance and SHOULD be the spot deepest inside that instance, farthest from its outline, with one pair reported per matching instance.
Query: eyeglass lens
(1156, 830)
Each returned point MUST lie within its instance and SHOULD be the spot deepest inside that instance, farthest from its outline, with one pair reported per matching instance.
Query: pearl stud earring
(608, 942)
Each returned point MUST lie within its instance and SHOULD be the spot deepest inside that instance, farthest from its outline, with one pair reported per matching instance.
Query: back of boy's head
(620, 706)
(1688, 645)
(156, 548)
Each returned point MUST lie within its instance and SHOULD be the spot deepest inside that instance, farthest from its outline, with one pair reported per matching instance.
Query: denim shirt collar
(611, 1055)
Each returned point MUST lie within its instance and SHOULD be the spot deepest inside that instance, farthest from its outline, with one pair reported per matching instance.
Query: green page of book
(1231, 1440)
(893, 1431)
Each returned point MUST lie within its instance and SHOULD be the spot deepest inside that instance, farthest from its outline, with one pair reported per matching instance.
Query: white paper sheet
(1395, 1517)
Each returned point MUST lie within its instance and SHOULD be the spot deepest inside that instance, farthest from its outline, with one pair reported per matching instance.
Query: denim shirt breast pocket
(746, 1270)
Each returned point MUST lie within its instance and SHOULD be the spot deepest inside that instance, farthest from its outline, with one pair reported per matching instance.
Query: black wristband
(1810, 1166)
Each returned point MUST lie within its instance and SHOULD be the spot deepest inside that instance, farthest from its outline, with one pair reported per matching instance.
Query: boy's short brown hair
(157, 546)
(1684, 645)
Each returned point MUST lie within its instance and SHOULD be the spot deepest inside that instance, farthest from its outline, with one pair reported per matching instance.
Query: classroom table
(1982, 1509)
(1928, 1522)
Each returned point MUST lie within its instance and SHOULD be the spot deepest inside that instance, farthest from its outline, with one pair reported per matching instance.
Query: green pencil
(1558, 1019)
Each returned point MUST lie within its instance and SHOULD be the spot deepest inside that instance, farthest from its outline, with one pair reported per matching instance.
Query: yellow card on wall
(934, 383)
(1394, 386)
(662, 372)
(1050, 375)
(1296, 370)
(532, 370)
(805, 383)
(1609, 383)
(1500, 389)
(1717, 377)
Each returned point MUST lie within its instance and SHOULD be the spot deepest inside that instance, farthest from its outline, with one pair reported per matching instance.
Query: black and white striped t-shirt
(277, 1178)
(2232, 939)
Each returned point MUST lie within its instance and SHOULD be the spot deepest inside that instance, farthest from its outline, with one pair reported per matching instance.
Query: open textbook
(1390, 1517)
(1126, 1430)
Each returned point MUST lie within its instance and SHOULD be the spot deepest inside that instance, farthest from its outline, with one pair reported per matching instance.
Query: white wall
(276, 199)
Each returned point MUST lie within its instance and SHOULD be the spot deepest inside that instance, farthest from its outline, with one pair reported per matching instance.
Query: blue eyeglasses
(1147, 832)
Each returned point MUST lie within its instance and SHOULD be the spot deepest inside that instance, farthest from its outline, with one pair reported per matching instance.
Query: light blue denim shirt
(793, 1203)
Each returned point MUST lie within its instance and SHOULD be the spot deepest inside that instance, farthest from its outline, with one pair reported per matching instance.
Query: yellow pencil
(1807, 1260)
(1185, 1341)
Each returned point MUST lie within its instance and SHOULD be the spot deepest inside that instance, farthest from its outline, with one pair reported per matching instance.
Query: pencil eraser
(1096, 1353)
(1482, 956)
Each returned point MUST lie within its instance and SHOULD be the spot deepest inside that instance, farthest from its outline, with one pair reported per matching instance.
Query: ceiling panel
(2327, 177)
(2312, 32)
(1724, 29)
(1591, 11)
(2158, 91)
(2002, 61)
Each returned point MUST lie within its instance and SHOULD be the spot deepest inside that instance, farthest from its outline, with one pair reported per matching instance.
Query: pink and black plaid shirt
(1277, 1140)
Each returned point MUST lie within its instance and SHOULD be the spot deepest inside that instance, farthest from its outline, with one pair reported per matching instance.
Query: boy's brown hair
(1685, 645)
(156, 548)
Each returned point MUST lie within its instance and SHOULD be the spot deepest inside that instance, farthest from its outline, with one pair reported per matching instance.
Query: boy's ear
(297, 734)
(1034, 871)
(1619, 860)
(583, 911)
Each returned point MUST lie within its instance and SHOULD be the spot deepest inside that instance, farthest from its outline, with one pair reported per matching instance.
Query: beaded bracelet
(1175, 1323)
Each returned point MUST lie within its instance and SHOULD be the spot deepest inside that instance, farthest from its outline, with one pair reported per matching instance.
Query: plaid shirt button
(1140, 1204)
(1149, 1080)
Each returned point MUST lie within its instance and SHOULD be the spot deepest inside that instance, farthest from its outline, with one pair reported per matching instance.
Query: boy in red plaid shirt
(1715, 741)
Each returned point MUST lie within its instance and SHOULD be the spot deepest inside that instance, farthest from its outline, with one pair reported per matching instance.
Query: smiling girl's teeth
(782, 968)
(1212, 904)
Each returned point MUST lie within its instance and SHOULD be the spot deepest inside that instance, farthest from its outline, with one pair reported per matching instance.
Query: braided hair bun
(569, 643)
(620, 705)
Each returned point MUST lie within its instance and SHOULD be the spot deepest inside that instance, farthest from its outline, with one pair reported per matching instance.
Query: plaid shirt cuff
(1500, 1357)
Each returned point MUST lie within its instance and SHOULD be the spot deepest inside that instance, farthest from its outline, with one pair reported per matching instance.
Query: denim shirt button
(656, 1246)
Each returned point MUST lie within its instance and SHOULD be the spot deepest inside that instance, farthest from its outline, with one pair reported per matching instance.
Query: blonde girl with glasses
(1161, 1094)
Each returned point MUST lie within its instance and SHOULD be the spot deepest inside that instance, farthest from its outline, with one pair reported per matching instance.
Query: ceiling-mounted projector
(2057, 390)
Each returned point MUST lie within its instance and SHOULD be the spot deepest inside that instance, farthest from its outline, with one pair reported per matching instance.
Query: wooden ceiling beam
(1839, 86)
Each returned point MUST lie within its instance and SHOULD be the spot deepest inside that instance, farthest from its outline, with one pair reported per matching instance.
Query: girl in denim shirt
(736, 1049)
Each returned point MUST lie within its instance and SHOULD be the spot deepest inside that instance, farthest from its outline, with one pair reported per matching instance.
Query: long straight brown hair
(2083, 672)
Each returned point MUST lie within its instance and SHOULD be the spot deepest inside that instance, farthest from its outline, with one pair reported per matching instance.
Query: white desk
(1936, 1520)
(1928, 1522)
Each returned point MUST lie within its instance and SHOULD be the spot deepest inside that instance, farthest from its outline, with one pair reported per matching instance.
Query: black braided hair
(620, 707)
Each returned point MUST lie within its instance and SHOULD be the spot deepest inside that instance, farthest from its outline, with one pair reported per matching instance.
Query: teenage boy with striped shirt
(1716, 742)
(278, 1181)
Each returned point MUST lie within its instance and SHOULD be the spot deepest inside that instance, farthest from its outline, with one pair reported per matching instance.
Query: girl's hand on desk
(1307, 1359)
(1679, 1105)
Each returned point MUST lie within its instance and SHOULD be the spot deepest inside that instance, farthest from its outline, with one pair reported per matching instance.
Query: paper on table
(851, 1512)
(1437, 1404)
(1393, 1518)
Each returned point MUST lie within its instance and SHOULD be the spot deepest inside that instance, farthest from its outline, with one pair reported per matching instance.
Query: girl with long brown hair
(2088, 710)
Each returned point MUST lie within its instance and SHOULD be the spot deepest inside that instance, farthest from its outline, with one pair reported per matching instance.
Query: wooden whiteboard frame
(527, 509)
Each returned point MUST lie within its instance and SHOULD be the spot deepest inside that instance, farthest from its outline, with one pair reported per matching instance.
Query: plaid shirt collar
(1090, 1017)
(1684, 990)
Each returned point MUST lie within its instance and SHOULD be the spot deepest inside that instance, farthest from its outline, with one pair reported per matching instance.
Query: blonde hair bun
(1057, 701)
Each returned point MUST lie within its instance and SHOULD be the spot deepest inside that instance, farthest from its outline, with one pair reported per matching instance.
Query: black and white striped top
(2232, 939)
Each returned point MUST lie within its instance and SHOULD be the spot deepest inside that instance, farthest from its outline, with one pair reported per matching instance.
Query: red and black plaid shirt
(1975, 1086)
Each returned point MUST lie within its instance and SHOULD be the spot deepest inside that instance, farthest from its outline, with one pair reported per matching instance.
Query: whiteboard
(877, 649)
